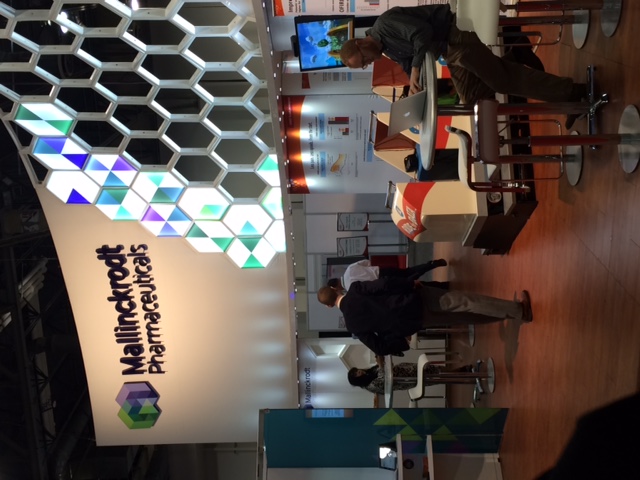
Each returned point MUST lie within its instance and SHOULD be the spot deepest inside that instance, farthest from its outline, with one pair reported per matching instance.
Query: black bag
(411, 163)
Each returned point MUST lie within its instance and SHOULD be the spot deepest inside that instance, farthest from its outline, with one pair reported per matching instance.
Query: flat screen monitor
(388, 456)
(320, 39)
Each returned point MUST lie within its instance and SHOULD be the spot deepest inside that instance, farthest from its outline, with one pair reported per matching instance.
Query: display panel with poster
(344, 7)
(353, 222)
(328, 145)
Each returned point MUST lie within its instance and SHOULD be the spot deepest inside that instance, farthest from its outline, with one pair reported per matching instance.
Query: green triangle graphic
(462, 418)
(250, 242)
(391, 418)
(61, 125)
(124, 214)
(248, 229)
(481, 415)
(117, 195)
(26, 114)
(409, 433)
(252, 262)
(443, 430)
(212, 211)
(156, 178)
(196, 232)
(223, 243)
(161, 197)
(269, 165)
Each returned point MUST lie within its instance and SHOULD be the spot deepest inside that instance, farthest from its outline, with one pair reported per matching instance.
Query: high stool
(488, 143)
(449, 378)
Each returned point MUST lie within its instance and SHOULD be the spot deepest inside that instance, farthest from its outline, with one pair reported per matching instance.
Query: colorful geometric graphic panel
(72, 187)
(138, 405)
(121, 204)
(247, 220)
(60, 153)
(210, 237)
(43, 119)
(110, 170)
(164, 220)
(251, 252)
(203, 203)
(158, 187)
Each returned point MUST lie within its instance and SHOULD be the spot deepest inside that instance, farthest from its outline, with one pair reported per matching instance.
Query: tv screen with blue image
(320, 39)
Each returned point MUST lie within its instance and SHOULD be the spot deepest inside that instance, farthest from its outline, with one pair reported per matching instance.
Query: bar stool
(449, 378)
(488, 143)
(414, 345)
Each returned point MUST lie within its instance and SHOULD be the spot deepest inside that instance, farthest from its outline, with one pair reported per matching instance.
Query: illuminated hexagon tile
(268, 171)
(272, 203)
(60, 153)
(276, 236)
(203, 203)
(164, 220)
(247, 220)
(158, 187)
(43, 119)
(251, 252)
(72, 187)
(210, 237)
(110, 170)
(121, 204)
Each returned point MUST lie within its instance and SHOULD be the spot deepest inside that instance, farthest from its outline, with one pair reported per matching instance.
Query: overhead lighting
(64, 16)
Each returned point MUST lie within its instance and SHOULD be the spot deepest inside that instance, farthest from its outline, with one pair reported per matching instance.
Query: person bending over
(405, 34)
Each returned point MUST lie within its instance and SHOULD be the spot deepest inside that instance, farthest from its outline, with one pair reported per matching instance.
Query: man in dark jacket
(405, 34)
(383, 313)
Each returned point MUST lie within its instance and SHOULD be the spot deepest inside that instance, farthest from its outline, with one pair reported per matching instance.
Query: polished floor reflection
(579, 256)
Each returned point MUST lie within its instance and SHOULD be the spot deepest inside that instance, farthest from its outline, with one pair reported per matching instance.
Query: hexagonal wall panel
(102, 96)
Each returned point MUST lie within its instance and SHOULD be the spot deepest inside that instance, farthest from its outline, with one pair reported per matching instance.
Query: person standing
(363, 271)
(405, 375)
(384, 313)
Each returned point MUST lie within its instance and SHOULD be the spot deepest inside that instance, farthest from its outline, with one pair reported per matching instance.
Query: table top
(428, 127)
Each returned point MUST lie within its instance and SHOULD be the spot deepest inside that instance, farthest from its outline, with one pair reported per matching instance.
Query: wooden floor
(579, 256)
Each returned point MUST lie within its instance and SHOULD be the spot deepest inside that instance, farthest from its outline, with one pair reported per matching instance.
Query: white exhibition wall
(222, 336)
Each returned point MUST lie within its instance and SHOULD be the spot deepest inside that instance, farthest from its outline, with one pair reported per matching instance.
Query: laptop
(406, 112)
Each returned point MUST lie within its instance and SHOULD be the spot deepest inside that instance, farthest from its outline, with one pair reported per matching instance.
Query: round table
(428, 127)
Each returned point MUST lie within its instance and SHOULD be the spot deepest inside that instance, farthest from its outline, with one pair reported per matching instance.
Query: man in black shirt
(383, 313)
(405, 34)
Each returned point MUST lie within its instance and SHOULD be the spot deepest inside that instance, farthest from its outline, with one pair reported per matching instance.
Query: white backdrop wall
(228, 333)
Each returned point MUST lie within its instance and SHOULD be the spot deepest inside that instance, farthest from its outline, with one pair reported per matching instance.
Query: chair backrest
(487, 136)
(480, 16)
(417, 392)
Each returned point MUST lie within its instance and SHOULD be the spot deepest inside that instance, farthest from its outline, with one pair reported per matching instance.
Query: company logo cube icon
(139, 405)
